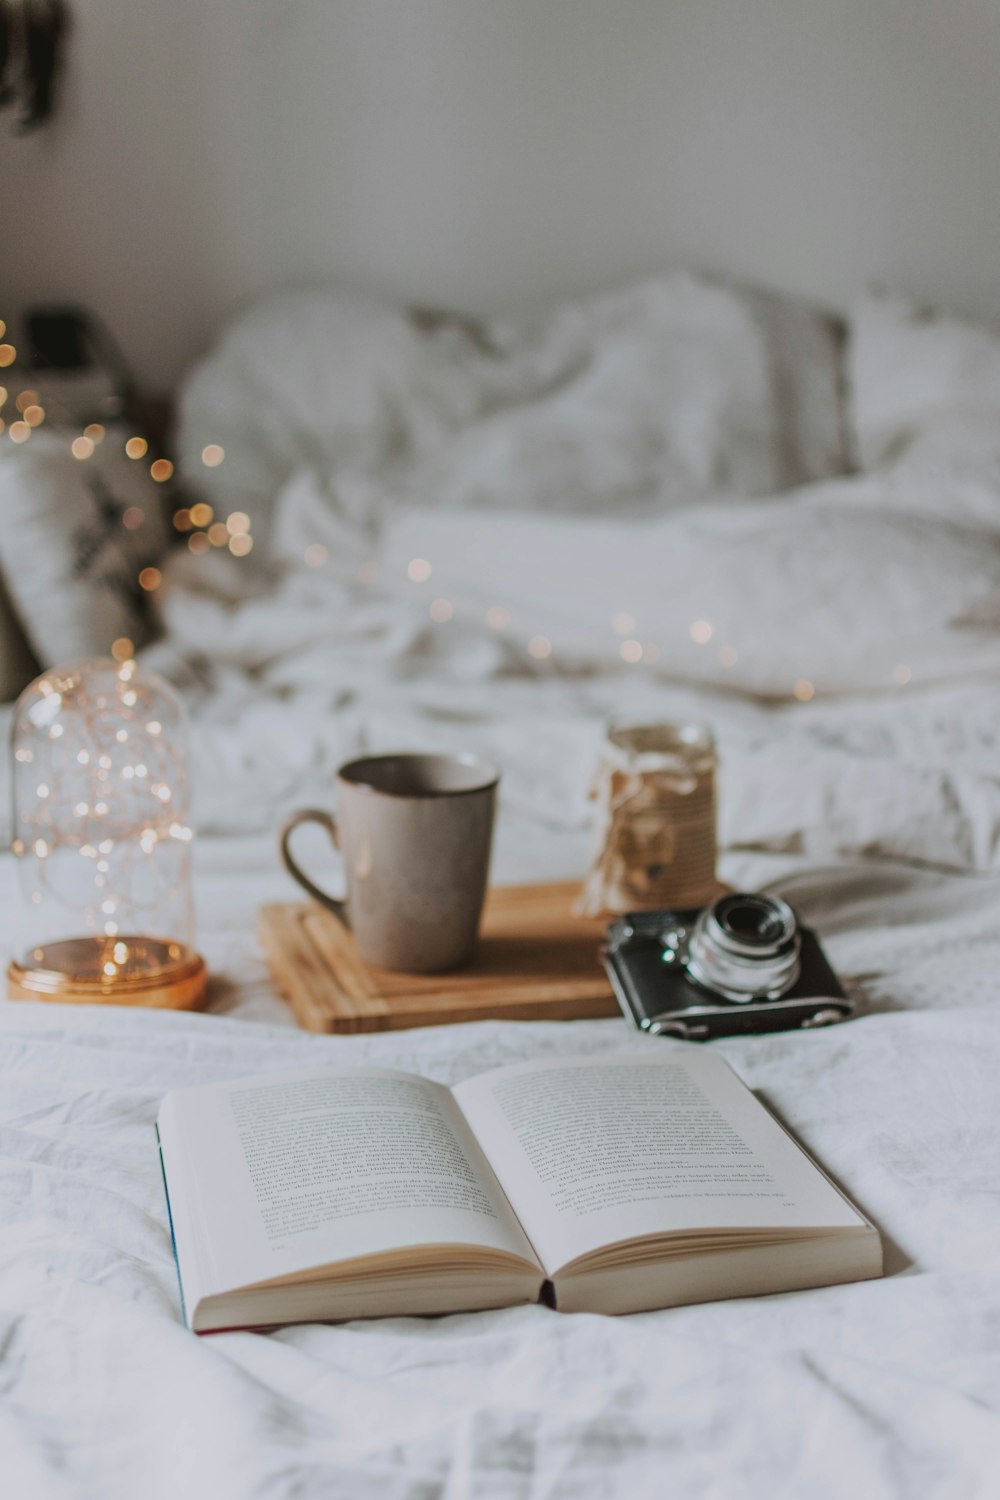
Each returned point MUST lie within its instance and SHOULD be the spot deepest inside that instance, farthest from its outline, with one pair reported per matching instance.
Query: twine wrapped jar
(654, 824)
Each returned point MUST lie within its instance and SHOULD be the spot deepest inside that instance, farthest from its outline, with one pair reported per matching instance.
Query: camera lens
(745, 947)
(757, 921)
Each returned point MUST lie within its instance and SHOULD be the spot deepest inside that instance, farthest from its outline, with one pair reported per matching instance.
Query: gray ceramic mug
(415, 833)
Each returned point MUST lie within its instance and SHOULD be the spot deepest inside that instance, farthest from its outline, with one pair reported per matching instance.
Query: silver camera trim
(722, 963)
(666, 938)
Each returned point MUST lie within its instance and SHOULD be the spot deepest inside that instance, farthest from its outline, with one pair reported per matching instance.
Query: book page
(594, 1150)
(275, 1175)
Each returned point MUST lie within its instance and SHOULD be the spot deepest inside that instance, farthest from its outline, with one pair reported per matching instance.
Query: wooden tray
(534, 961)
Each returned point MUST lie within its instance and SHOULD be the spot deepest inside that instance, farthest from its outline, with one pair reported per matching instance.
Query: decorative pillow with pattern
(76, 533)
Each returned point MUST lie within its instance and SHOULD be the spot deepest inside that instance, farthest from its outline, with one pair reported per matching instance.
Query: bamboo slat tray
(534, 961)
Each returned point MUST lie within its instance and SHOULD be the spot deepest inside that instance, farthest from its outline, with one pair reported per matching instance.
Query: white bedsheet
(879, 1389)
(879, 816)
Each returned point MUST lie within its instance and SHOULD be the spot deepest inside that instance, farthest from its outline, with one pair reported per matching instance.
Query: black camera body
(742, 965)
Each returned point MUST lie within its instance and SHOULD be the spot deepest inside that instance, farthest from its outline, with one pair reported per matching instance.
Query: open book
(607, 1184)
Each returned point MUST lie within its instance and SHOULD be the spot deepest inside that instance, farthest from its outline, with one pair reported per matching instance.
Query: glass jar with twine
(654, 841)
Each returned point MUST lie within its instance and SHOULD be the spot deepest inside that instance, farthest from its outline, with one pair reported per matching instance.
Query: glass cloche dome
(102, 836)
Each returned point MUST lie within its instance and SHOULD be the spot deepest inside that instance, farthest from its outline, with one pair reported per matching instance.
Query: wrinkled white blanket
(887, 1389)
(884, 1389)
(877, 812)
(875, 599)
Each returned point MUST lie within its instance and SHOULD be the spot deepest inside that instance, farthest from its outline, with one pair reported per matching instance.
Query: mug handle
(327, 821)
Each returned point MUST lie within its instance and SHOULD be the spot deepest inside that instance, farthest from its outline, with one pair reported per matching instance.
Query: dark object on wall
(32, 50)
(70, 358)
(77, 366)
(6, 87)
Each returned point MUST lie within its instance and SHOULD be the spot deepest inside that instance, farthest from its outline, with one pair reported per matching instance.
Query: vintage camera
(742, 964)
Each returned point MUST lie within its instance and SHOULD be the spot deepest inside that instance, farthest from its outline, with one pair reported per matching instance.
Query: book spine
(173, 1237)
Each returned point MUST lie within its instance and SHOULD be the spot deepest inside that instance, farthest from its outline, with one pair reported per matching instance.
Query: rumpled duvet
(859, 777)
(886, 1388)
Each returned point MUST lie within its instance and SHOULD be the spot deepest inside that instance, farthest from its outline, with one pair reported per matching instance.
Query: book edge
(170, 1222)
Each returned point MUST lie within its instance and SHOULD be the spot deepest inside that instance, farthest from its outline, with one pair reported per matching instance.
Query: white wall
(476, 152)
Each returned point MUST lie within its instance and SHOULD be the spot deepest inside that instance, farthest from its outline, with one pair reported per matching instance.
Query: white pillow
(913, 372)
(679, 389)
(803, 595)
(76, 533)
(666, 389)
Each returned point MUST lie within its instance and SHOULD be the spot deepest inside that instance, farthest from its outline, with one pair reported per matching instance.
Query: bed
(814, 573)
